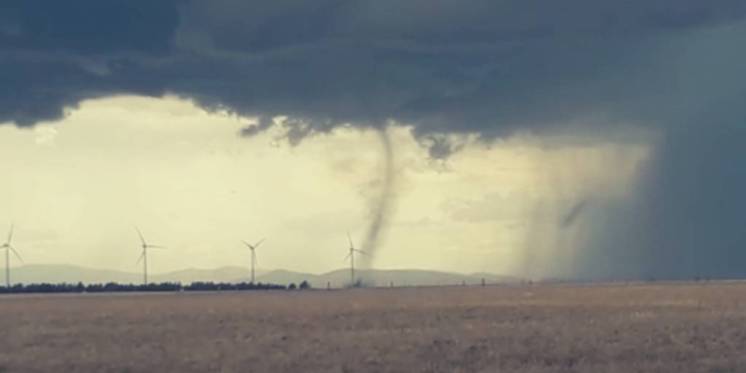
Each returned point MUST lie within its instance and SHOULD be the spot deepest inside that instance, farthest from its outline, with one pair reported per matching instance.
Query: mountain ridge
(59, 273)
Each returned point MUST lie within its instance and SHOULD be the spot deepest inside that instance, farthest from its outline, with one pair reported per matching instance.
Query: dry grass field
(560, 328)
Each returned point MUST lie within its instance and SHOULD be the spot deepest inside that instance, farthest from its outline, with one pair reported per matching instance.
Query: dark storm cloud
(53, 54)
(473, 66)
(88, 26)
(480, 66)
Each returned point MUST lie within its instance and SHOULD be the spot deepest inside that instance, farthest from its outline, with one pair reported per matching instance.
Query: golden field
(674, 327)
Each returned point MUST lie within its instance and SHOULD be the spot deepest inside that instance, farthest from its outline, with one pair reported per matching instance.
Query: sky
(191, 183)
(584, 139)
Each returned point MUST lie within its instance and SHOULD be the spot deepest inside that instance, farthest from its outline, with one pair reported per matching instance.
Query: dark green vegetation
(113, 287)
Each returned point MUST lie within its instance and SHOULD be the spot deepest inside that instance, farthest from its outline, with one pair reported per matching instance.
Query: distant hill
(399, 277)
(37, 273)
(222, 274)
(282, 276)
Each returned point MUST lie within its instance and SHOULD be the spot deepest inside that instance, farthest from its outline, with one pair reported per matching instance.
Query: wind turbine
(144, 255)
(351, 257)
(253, 255)
(8, 247)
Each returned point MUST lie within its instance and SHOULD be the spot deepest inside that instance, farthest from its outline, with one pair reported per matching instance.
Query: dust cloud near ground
(695, 327)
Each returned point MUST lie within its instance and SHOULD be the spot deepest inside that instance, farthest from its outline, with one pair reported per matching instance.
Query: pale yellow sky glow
(76, 189)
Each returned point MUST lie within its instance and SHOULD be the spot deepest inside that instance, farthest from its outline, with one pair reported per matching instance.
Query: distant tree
(292, 286)
(357, 284)
(304, 285)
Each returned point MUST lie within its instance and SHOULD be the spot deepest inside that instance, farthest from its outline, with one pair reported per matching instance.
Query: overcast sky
(575, 138)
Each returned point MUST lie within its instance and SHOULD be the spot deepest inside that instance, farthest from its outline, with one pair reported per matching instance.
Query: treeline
(114, 287)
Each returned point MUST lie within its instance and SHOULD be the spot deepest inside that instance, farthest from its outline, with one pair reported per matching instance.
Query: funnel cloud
(383, 205)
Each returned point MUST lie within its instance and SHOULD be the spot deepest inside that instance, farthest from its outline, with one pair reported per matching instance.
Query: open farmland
(698, 327)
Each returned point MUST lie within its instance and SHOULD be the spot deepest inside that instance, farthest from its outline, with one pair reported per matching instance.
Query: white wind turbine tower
(144, 255)
(351, 257)
(8, 247)
(253, 256)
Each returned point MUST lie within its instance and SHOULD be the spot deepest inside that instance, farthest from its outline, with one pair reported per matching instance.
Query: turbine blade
(347, 257)
(247, 244)
(155, 246)
(13, 249)
(140, 258)
(350, 239)
(361, 252)
(10, 234)
(142, 238)
(259, 243)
